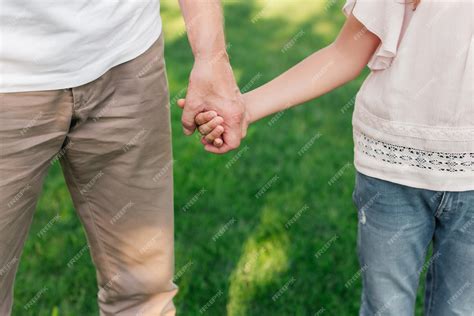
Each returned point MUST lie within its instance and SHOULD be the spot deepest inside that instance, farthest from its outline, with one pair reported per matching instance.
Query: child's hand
(209, 126)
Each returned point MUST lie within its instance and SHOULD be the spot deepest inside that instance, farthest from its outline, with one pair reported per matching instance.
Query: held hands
(210, 126)
(214, 105)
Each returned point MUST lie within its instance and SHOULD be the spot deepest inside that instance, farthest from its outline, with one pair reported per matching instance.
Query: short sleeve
(384, 18)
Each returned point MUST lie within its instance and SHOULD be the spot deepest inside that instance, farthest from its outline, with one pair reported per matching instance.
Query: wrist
(211, 56)
(250, 108)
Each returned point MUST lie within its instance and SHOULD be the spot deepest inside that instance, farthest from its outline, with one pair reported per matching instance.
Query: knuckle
(198, 119)
(185, 123)
(189, 127)
(204, 129)
(211, 124)
(192, 107)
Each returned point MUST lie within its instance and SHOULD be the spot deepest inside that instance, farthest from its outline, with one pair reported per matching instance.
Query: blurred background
(269, 229)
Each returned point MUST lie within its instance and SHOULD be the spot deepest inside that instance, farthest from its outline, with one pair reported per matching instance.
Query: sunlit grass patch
(263, 258)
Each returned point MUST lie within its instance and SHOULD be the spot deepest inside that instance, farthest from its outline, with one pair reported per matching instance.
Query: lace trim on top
(462, 134)
(411, 157)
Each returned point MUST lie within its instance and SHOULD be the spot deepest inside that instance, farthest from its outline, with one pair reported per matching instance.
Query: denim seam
(441, 205)
(432, 290)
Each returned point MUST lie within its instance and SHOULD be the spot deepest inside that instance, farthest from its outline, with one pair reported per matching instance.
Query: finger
(233, 131)
(232, 139)
(181, 103)
(218, 142)
(217, 150)
(187, 120)
(216, 133)
(210, 126)
(205, 117)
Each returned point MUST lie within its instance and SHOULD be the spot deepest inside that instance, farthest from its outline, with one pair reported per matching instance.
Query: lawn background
(236, 244)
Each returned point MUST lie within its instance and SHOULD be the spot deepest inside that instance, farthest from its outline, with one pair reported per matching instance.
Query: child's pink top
(414, 115)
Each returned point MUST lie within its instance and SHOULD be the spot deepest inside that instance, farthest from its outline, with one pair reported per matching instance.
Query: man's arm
(211, 84)
(204, 25)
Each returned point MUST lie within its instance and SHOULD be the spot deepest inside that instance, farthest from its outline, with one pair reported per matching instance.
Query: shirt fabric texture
(414, 115)
(51, 44)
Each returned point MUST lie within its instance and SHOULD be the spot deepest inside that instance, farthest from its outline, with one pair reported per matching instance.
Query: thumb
(233, 135)
(181, 103)
(187, 120)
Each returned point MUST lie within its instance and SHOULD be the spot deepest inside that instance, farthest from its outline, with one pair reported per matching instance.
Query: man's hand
(209, 126)
(211, 84)
(212, 87)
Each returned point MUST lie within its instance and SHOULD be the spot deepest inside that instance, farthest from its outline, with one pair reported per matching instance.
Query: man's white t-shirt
(58, 44)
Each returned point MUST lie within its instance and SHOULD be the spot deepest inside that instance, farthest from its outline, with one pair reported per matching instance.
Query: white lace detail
(406, 156)
(396, 128)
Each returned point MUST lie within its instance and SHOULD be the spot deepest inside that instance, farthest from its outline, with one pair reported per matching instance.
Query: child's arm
(320, 73)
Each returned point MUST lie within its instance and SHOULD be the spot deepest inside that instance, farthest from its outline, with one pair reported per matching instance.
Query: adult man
(84, 82)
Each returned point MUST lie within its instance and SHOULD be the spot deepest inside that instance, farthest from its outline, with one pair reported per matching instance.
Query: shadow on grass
(230, 245)
(245, 269)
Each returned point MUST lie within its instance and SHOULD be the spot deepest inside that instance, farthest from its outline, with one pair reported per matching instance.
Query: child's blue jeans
(397, 223)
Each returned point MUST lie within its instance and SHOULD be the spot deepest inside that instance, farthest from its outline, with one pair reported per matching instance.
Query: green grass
(258, 253)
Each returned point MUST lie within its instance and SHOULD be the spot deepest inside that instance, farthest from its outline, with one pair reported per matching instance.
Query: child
(413, 128)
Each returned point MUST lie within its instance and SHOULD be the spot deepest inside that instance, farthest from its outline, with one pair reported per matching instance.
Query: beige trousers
(112, 137)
